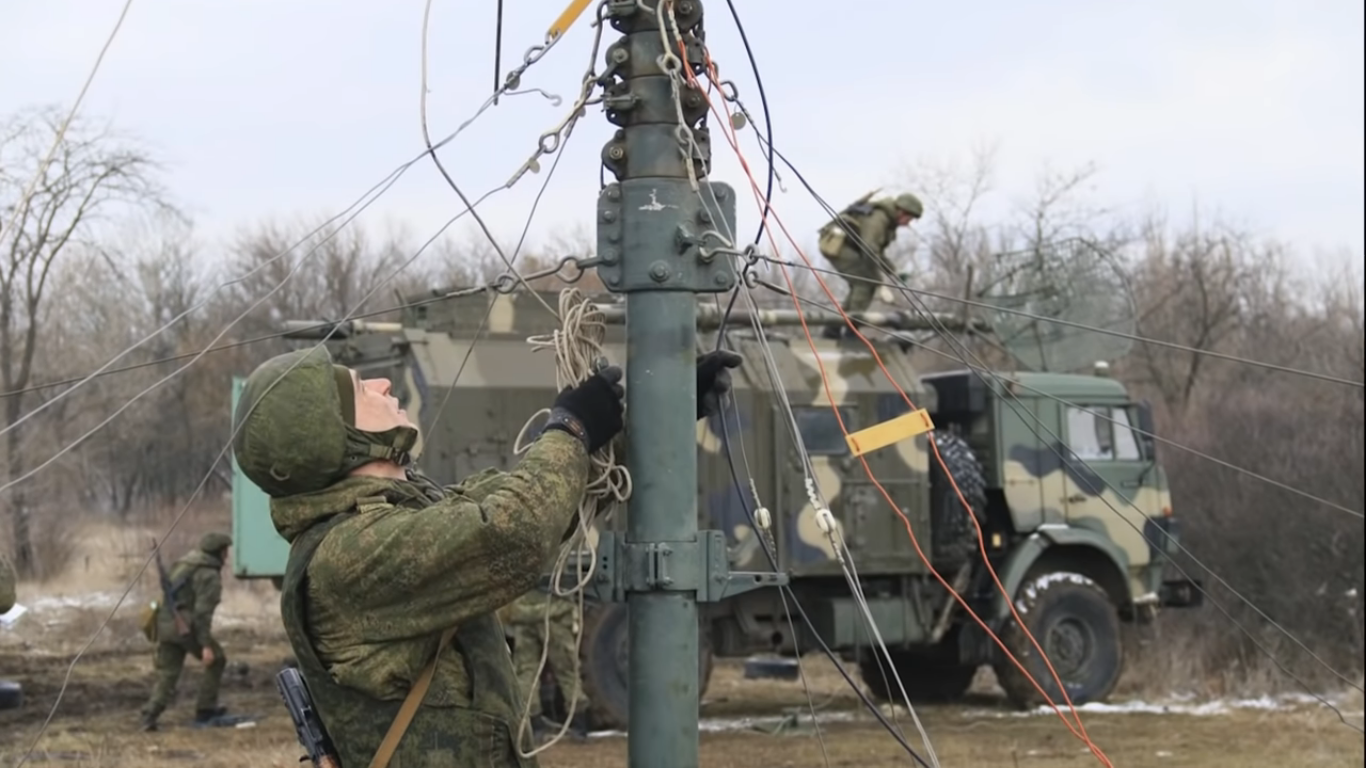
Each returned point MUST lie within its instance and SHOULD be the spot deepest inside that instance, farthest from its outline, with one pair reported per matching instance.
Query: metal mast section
(658, 243)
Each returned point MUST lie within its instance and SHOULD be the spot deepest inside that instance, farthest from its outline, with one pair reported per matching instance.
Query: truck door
(1108, 478)
(1030, 476)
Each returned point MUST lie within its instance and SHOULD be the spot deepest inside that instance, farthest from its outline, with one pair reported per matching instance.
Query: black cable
(768, 122)
(725, 430)
(498, 53)
(772, 170)
(806, 620)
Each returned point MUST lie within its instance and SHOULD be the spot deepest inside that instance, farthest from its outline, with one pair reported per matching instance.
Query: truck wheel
(926, 678)
(1073, 621)
(605, 664)
(953, 534)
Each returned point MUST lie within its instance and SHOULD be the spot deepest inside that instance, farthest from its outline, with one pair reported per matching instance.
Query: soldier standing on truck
(387, 569)
(184, 624)
(855, 244)
(526, 623)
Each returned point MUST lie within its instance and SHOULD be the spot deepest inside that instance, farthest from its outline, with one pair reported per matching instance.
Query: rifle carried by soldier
(168, 590)
(307, 726)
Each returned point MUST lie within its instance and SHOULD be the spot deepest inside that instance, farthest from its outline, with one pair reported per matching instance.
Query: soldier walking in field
(855, 244)
(526, 623)
(7, 585)
(392, 585)
(184, 625)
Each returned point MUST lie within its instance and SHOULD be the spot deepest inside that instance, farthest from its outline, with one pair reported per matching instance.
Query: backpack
(833, 234)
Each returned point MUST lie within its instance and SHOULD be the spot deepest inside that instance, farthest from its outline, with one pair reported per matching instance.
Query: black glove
(713, 380)
(592, 411)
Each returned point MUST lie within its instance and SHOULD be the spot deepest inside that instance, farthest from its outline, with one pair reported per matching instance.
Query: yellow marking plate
(571, 14)
(888, 432)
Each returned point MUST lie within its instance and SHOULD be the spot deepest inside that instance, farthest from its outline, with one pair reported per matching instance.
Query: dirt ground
(746, 723)
(94, 726)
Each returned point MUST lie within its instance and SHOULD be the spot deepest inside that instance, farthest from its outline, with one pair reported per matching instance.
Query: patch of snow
(1031, 590)
(87, 600)
(1177, 706)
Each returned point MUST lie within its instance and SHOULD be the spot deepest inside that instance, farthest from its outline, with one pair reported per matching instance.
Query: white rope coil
(578, 346)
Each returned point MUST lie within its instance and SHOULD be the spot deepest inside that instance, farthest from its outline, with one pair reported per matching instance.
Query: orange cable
(825, 380)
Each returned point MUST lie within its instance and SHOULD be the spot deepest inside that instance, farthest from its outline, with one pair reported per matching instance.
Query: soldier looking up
(389, 573)
(855, 244)
(197, 588)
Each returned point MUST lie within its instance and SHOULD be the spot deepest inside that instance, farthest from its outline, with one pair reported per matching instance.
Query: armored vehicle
(1073, 506)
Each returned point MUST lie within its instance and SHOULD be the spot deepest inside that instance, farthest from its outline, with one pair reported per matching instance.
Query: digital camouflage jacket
(379, 568)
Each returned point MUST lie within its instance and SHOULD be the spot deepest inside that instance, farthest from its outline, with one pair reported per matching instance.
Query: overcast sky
(1253, 108)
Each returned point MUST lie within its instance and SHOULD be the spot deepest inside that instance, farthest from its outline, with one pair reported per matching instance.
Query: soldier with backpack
(855, 244)
(182, 625)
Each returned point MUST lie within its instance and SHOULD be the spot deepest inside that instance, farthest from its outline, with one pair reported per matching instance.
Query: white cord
(578, 346)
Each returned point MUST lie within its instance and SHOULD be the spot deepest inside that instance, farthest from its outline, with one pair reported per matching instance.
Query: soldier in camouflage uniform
(855, 244)
(526, 623)
(7, 584)
(384, 563)
(198, 587)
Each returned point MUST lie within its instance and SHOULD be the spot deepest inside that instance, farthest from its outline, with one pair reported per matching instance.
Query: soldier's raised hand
(592, 411)
(713, 380)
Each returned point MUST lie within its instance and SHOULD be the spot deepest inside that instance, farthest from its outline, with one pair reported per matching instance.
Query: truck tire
(11, 695)
(926, 678)
(953, 534)
(1073, 620)
(604, 654)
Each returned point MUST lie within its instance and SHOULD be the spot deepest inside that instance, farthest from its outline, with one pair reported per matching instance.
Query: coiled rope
(578, 345)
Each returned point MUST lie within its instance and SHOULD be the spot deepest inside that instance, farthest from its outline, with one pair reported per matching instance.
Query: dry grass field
(746, 723)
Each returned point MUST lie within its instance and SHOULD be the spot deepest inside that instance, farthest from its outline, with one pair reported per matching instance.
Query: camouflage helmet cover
(294, 426)
(910, 204)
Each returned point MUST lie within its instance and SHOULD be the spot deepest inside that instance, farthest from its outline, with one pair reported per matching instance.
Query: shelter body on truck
(1075, 513)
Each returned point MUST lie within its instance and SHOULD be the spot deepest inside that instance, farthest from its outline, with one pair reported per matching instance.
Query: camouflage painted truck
(1073, 505)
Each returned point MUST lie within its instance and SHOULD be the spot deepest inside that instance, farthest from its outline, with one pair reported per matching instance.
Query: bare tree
(94, 175)
(1196, 288)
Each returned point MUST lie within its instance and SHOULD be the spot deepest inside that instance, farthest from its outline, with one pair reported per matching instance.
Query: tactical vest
(439, 736)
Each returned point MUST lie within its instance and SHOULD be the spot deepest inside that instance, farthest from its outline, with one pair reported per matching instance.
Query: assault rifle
(168, 591)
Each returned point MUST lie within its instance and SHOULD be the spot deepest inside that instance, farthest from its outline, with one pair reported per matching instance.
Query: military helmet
(294, 428)
(910, 204)
(214, 542)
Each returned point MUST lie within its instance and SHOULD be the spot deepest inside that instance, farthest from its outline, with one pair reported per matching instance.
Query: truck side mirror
(1144, 414)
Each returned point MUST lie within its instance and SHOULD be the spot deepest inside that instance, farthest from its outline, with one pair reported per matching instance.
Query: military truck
(1074, 508)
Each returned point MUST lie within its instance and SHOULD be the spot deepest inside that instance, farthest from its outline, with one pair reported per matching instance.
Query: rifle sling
(404, 718)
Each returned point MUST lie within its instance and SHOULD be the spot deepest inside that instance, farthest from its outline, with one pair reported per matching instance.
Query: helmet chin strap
(394, 445)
